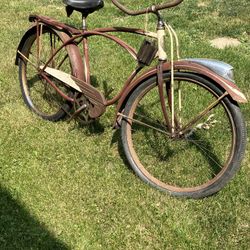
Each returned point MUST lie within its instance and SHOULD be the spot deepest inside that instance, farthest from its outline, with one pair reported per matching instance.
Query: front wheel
(207, 148)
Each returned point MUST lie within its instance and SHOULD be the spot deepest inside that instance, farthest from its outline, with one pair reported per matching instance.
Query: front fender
(184, 66)
(72, 50)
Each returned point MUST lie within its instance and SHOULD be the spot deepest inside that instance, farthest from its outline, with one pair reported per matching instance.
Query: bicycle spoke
(61, 63)
(152, 120)
(41, 61)
(206, 151)
(143, 124)
(52, 49)
(201, 115)
(39, 42)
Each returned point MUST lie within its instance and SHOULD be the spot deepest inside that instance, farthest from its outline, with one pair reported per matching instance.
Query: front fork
(160, 82)
(170, 123)
(174, 124)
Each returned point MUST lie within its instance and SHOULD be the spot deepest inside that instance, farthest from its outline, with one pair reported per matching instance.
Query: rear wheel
(202, 156)
(38, 94)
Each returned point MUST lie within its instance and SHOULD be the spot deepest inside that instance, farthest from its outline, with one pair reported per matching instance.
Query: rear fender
(184, 66)
(72, 49)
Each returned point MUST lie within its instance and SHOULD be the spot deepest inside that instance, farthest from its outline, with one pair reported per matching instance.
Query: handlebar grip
(153, 8)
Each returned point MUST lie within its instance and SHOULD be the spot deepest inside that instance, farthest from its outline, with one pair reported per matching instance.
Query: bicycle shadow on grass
(94, 128)
(19, 230)
(103, 86)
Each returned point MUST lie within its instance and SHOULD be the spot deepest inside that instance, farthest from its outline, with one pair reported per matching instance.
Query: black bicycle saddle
(86, 7)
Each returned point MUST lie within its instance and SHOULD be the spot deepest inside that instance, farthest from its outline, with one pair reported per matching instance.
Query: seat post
(84, 22)
(85, 49)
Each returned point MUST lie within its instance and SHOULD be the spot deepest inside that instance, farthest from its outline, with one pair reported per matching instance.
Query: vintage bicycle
(181, 127)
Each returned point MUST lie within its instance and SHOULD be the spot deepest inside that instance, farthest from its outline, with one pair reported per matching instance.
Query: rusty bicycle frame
(174, 119)
(73, 37)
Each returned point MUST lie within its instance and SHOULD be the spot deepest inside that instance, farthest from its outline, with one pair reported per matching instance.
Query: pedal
(78, 111)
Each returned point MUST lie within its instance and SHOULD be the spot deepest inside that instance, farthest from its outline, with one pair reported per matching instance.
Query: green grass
(64, 186)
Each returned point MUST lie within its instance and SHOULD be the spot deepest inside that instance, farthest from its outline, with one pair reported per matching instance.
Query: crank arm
(78, 111)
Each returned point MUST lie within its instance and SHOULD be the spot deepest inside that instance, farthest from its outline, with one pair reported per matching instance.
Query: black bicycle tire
(238, 153)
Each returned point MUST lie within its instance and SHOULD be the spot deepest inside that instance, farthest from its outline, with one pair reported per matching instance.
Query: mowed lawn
(67, 186)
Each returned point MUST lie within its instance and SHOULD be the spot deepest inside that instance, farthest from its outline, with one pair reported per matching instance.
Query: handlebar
(151, 9)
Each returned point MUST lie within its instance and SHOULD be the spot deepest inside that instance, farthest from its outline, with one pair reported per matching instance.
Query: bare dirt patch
(223, 42)
(203, 3)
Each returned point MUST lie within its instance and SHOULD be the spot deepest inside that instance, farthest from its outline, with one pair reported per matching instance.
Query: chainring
(81, 102)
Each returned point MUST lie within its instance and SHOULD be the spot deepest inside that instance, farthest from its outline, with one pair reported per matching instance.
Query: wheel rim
(185, 164)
